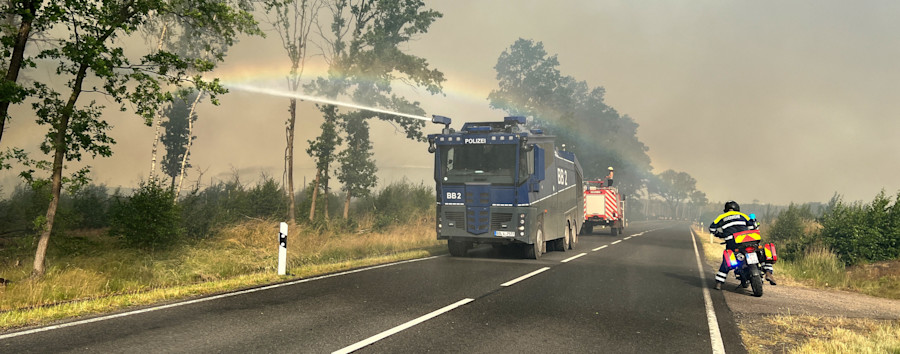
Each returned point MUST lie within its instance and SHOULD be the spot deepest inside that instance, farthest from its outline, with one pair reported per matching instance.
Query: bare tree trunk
(159, 44)
(155, 144)
(347, 206)
(326, 194)
(315, 192)
(190, 142)
(289, 160)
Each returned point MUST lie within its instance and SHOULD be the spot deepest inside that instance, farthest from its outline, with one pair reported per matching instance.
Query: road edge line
(715, 336)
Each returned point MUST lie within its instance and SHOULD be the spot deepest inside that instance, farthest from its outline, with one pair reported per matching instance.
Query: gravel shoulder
(795, 300)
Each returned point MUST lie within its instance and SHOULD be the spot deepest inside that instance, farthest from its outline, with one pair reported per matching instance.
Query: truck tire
(613, 231)
(587, 229)
(457, 248)
(564, 243)
(535, 250)
(574, 239)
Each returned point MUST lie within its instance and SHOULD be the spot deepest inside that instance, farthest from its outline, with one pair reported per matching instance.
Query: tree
(92, 52)
(364, 55)
(674, 187)
(177, 135)
(357, 171)
(32, 15)
(293, 20)
(530, 84)
(323, 150)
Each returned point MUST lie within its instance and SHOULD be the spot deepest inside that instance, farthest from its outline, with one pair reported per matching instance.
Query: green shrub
(90, 206)
(401, 202)
(792, 231)
(149, 218)
(861, 233)
(819, 265)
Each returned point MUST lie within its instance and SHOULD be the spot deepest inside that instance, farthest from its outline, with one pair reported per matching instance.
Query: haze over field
(778, 102)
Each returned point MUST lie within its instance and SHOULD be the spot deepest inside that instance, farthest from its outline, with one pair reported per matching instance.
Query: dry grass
(237, 257)
(811, 334)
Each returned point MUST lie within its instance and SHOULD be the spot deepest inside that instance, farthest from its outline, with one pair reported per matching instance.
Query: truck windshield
(479, 163)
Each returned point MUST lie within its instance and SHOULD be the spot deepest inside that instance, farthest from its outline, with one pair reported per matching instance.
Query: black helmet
(732, 205)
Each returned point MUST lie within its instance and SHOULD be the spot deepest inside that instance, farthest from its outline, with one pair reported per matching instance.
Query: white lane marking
(571, 258)
(627, 238)
(715, 337)
(194, 301)
(395, 330)
(526, 276)
(615, 242)
(600, 248)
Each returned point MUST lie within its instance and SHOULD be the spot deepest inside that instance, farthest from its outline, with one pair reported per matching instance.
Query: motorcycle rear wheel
(757, 285)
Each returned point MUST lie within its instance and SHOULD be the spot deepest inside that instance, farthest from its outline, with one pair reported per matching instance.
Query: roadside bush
(147, 219)
(794, 231)
(861, 233)
(90, 207)
(25, 204)
(226, 203)
(400, 203)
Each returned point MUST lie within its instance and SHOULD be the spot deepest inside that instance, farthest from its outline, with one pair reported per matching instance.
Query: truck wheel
(535, 250)
(564, 242)
(613, 231)
(587, 229)
(457, 248)
(574, 240)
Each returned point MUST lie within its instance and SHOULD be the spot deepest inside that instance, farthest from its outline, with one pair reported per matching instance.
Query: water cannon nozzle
(442, 120)
(515, 119)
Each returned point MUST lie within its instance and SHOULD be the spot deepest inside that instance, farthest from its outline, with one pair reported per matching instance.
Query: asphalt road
(625, 294)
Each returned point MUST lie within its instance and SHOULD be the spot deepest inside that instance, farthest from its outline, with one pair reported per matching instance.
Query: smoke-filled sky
(774, 101)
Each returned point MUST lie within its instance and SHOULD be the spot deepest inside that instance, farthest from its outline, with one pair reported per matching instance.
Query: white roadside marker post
(282, 248)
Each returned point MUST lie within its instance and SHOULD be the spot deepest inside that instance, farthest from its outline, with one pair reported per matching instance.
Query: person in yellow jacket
(724, 227)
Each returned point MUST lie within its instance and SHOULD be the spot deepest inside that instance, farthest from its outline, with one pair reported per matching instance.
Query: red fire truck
(603, 206)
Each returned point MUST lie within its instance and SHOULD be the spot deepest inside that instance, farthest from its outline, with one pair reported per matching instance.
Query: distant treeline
(856, 232)
(150, 217)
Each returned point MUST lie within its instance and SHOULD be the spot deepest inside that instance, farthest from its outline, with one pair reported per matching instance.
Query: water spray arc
(275, 92)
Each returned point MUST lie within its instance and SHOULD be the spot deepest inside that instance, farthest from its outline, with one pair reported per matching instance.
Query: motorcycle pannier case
(730, 259)
(771, 256)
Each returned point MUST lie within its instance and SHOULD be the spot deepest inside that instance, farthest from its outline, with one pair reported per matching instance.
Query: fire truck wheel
(588, 229)
(613, 231)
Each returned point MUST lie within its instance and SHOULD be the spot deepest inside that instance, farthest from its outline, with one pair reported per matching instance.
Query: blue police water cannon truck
(500, 183)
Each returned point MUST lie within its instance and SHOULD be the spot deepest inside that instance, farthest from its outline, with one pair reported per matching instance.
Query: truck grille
(498, 219)
(477, 219)
(457, 217)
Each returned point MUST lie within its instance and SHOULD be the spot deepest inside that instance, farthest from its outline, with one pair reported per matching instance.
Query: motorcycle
(746, 259)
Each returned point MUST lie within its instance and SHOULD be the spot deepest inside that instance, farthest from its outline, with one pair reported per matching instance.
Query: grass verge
(106, 277)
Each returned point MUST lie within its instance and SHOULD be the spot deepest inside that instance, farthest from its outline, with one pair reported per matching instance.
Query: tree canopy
(530, 84)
